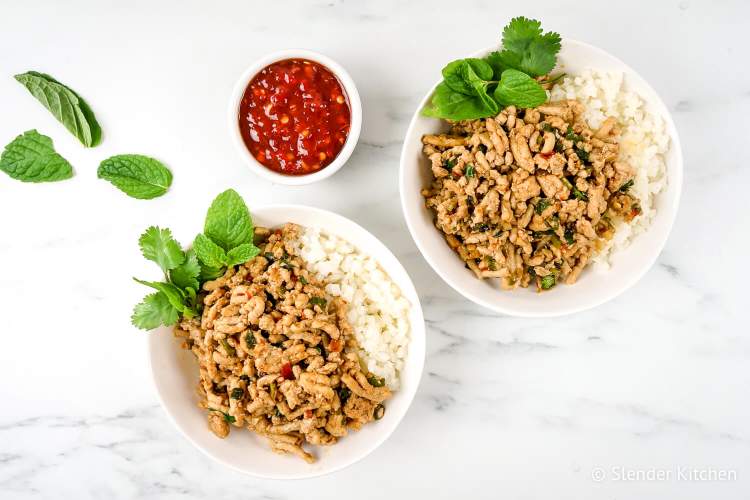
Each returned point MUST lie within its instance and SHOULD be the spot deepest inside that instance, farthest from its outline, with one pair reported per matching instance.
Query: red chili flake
(547, 156)
(308, 413)
(286, 371)
(334, 346)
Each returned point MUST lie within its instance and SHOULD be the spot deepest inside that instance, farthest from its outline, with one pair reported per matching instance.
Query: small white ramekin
(355, 107)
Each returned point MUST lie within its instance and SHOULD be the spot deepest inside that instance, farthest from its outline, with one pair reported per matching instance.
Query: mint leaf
(209, 252)
(454, 78)
(519, 89)
(153, 311)
(228, 222)
(479, 86)
(451, 105)
(241, 254)
(211, 273)
(159, 246)
(186, 274)
(137, 176)
(31, 157)
(175, 296)
(67, 106)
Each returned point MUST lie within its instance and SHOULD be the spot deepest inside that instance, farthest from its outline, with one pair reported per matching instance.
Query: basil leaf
(228, 221)
(30, 157)
(159, 246)
(519, 89)
(454, 78)
(137, 176)
(67, 106)
(209, 252)
(452, 105)
(153, 311)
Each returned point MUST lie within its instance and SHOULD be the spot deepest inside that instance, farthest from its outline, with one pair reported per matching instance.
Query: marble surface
(656, 380)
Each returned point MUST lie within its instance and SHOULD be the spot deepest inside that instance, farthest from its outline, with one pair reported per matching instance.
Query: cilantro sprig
(477, 88)
(227, 240)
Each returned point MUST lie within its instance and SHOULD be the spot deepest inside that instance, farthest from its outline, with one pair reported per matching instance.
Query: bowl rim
(417, 327)
(355, 110)
(675, 179)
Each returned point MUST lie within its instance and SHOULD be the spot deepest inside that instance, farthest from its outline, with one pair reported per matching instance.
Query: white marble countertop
(656, 380)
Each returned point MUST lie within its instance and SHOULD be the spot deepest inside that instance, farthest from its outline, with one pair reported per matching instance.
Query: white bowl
(593, 287)
(175, 373)
(355, 108)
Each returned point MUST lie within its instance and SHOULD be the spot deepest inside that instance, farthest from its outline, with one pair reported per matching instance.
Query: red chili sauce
(294, 117)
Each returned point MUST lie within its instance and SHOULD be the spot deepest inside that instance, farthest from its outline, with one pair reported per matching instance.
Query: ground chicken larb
(528, 195)
(276, 356)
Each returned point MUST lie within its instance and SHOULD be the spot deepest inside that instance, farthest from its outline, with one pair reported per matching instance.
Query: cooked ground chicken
(528, 195)
(276, 357)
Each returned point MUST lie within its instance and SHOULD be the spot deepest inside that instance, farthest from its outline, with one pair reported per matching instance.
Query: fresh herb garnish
(477, 88)
(237, 393)
(184, 272)
(250, 340)
(491, 263)
(626, 187)
(228, 348)
(519, 89)
(569, 236)
(582, 154)
(65, 105)
(227, 237)
(542, 205)
(137, 176)
(344, 394)
(375, 381)
(31, 157)
(227, 417)
(470, 170)
(318, 301)
(481, 227)
(547, 282)
(572, 136)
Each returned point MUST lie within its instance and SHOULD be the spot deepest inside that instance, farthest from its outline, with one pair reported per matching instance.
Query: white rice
(377, 311)
(644, 142)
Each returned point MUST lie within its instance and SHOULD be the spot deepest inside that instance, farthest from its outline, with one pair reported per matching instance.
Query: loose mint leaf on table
(137, 176)
(31, 157)
(241, 254)
(65, 104)
(186, 274)
(153, 311)
(208, 252)
(519, 89)
(159, 246)
(228, 222)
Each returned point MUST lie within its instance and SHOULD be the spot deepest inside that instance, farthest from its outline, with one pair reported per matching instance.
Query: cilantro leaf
(65, 105)
(30, 157)
(153, 311)
(520, 32)
(175, 296)
(209, 252)
(241, 254)
(228, 222)
(186, 274)
(519, 89)
(137, 176)
(526, 48)
(159, 246)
